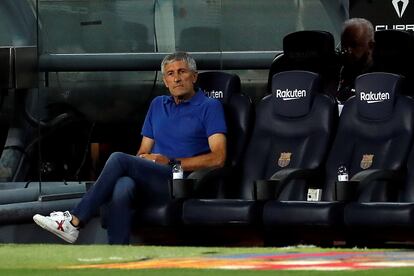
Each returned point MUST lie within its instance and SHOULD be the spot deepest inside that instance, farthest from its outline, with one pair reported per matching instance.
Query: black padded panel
(158, 215)
(397, 213)
(309, 50)
(294, 91)
(375, 93)
(306, 213)
(407, 193)
(238, 109)
(363, 141)
(308, 44)
(393, 52)
(365, 214)
(385, 143)
(219, 85)
(303, 140)
(221, 212)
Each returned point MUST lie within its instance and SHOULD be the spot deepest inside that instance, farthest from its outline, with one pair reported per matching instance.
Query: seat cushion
(221, 211)
(383, 214)
(303, 213)
(167, 214)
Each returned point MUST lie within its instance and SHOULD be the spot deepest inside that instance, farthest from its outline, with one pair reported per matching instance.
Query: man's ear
(195, 77)
(165, 83)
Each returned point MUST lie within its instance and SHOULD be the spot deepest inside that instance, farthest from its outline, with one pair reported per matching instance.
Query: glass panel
(108, 108)
(76, 26)
(18, 22)
(96, 26)
(245, 26)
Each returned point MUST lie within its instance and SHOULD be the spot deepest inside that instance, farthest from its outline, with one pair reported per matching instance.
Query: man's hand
(155, 157)
(215, 158)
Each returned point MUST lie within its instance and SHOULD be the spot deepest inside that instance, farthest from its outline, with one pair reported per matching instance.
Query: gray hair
(179, 56)
(363, 23)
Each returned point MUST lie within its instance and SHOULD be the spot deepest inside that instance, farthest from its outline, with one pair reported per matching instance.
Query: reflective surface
(65, 127)
(202, 25)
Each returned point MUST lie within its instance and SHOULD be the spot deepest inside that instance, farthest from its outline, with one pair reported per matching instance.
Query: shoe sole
(39, 220)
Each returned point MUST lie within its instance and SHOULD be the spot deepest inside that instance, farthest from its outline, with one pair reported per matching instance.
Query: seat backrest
(375, 130)
(310, 51)
(393, 53)
(293, 128)
(238, 109)
(406, 193)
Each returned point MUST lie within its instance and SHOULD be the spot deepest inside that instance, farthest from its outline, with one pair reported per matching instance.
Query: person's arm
(215, 158)
(145, 152)
(146, 146)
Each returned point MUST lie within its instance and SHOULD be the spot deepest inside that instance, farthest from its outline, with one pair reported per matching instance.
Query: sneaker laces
(55, 213)
(67, 215)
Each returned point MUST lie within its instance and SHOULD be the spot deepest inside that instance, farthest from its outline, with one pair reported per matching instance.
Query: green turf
(51, 256)
(195, 272)
(50, 260)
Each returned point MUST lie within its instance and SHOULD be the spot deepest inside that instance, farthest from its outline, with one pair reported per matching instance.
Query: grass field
(62, 260)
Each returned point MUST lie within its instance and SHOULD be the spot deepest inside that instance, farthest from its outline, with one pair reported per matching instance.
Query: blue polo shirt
(182, 130)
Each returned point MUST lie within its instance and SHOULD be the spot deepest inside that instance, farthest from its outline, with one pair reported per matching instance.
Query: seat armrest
(349, 190)
(182, 188)
(266, 189)
(286, 175)
(269, 189)
(368, 176)
(346, 190)
(205, 179)
(207, 173)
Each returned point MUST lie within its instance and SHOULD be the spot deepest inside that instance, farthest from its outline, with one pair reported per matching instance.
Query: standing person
(357, 46)
(186, 126)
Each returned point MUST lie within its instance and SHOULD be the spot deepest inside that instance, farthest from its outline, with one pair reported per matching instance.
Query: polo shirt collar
(197, 99)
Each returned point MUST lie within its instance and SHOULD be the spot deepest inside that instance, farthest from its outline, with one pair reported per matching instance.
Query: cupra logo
(400, 6)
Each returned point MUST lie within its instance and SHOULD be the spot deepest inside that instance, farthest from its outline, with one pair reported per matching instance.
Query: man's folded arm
(215, 158)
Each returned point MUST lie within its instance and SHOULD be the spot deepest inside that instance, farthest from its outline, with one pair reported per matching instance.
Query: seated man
(357, 45)
(186, 126)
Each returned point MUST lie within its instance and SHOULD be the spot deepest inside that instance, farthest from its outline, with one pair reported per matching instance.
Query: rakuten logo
(288, 95)
(372, 97)
(214, 94)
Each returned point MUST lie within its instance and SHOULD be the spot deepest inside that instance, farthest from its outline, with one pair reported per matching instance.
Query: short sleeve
(147, 128)
(214, 120)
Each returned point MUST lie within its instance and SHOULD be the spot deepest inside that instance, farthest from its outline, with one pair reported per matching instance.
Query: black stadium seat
(309, 50)
(238, 110)
(375, 133)
(393, 53)
(292, 132)
(374, 221)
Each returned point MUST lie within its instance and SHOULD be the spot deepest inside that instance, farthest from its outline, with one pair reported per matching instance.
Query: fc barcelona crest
(366, 161)
(284, 159)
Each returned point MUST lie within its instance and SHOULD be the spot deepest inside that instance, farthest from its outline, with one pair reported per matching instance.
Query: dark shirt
(346, 86)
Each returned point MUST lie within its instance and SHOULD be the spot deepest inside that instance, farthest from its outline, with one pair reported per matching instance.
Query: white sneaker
(59, 224)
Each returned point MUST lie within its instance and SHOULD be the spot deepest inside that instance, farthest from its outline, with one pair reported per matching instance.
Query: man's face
(356, 47)
(179, 79)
